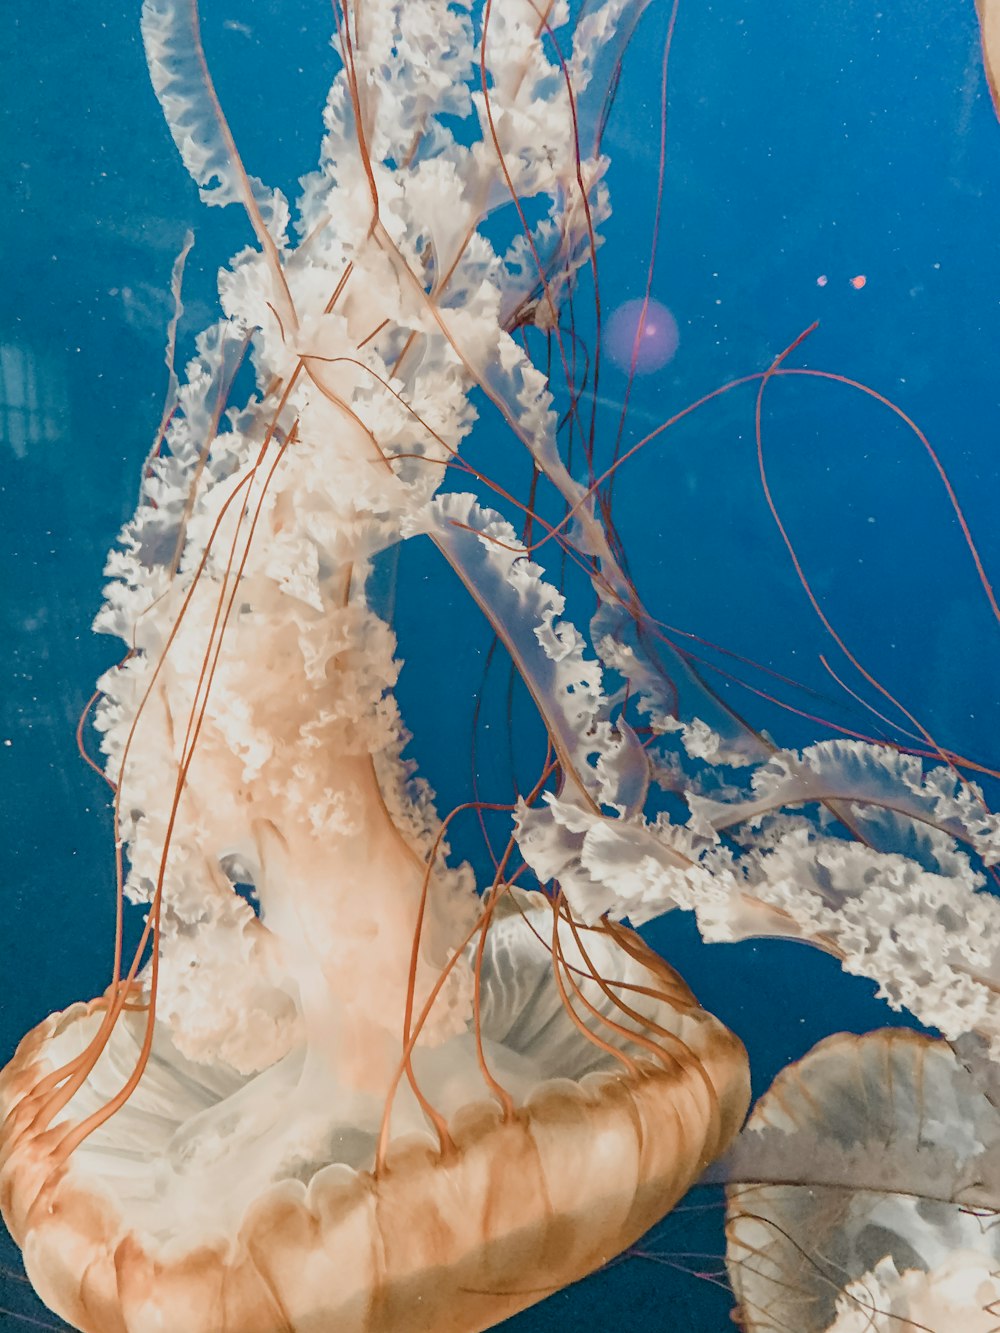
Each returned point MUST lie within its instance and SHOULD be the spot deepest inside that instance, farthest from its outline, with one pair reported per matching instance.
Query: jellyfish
(336, 1085)
(883, 1151)
(989, 26)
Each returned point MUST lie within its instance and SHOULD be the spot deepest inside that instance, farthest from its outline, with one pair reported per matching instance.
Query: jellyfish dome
(338, 1085)
(864, 1191)
(218, 1201)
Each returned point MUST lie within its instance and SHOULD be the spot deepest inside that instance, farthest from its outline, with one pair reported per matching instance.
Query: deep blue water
(804, 141)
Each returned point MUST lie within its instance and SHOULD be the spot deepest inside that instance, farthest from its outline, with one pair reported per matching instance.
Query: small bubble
(651, 341)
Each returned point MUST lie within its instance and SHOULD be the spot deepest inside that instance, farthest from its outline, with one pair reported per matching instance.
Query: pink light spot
(822, 280)
(858, 282)
(652, 345)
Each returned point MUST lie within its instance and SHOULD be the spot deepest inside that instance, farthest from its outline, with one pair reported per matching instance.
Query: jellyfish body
(180, 1213)
(343, 1089)
(989, 27)
(864, 1193)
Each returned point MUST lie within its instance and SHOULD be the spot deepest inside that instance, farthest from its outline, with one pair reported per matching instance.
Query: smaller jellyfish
(641, 337)
(864, 1190)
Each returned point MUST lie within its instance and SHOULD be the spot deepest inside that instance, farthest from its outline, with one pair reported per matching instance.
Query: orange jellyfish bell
(164, 1218)
(989, 27)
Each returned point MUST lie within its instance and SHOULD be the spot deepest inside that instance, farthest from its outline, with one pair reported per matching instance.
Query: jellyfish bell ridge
(221, 1199)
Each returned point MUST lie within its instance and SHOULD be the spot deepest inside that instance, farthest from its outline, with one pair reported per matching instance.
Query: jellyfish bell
(864, 1193)
(989, 28)
(213, 1201)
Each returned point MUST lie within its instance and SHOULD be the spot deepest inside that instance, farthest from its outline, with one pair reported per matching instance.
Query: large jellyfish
(337, 1083)
(334, 1086)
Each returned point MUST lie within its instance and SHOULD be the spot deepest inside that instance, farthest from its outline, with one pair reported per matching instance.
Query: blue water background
(804, 141)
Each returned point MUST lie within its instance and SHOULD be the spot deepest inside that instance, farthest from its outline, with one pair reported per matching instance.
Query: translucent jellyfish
(866, 1193)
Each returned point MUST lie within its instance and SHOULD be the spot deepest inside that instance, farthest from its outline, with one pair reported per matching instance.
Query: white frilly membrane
(307, 917)
(900, 902)
(877, 859)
